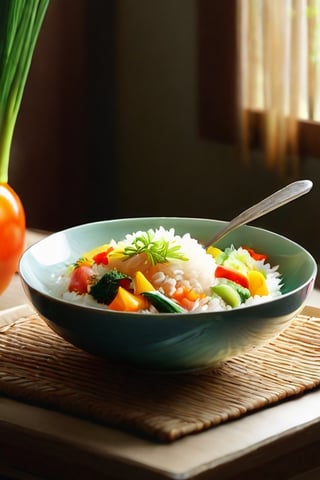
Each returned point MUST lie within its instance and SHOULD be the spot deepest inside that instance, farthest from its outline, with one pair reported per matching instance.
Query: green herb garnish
(157, 251)
(81, 261)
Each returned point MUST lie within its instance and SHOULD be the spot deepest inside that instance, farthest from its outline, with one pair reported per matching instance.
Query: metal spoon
(274, 201)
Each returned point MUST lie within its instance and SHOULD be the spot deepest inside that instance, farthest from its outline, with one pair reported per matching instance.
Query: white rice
(197, 274)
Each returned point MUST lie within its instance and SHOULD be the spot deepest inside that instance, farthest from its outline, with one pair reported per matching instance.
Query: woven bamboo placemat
(37, 366)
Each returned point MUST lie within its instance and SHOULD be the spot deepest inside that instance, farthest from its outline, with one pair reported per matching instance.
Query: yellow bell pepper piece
(257, 283)
(126, 301)
(214, 251)
(142, 284)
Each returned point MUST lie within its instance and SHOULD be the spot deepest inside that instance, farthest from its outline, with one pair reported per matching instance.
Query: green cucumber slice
(162, 303)
(243, 292)
(228, 294)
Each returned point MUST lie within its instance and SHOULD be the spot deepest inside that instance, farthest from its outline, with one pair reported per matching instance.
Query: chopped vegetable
(214, 251)
(186, 297)
(228, 293)
(243, 292)
(107, 287)
(257, 283)
(90, 254)
(142, 284)
(239, 260)
(162, 303)
(255, 255)
(126, 301)
(80, 279)
(101, 258)
(184, 292)
(234, 276)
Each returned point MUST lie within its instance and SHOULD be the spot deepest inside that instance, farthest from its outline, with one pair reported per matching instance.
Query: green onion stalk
(20, 25)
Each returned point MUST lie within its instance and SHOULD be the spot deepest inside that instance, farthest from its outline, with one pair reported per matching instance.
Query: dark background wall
(109, 125)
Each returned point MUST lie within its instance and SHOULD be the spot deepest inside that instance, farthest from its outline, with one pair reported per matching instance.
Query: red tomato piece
(102, 257)
(125, 283)
(255, 255)
(80, 279)
(237, 277)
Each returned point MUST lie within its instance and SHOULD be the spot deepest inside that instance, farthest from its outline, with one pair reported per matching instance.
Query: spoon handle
(276, 200)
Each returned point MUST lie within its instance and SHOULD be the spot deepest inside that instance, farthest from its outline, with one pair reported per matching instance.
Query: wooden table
(281, 442)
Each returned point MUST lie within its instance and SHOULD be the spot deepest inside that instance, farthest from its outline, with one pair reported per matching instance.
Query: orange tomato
(12, 233)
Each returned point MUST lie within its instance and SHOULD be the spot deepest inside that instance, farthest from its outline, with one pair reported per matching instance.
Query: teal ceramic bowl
(166, 342)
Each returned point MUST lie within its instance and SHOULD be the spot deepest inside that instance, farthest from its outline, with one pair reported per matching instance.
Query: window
(295, 64)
